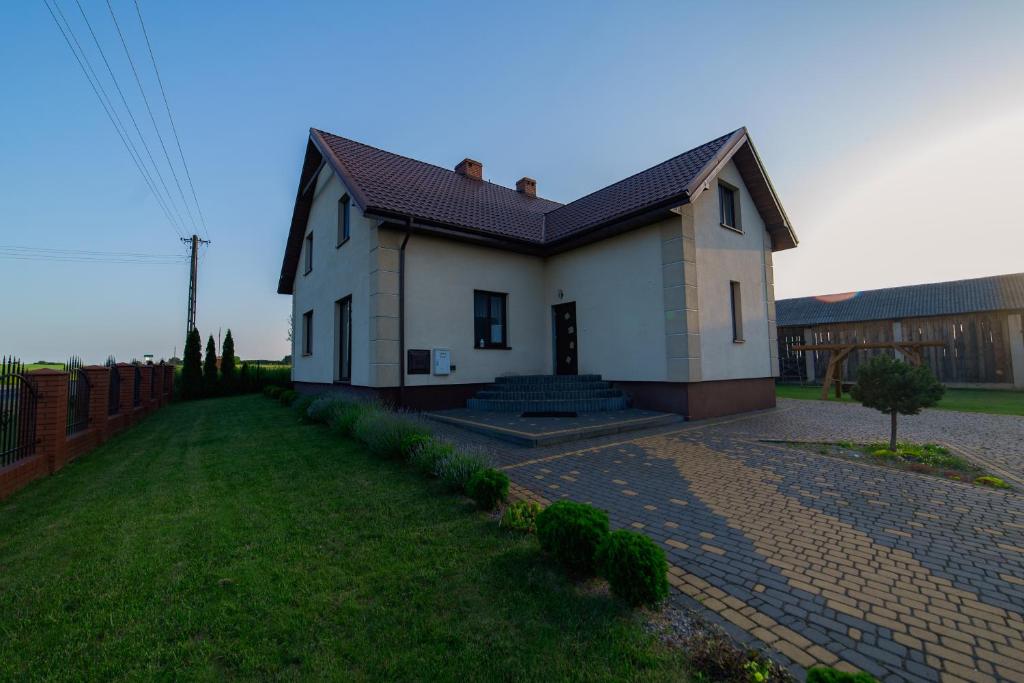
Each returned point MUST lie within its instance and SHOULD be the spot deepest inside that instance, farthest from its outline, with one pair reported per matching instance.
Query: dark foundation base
(701, 400)
(693, 400)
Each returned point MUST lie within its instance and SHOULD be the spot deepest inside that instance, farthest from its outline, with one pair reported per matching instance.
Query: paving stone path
(821, 560)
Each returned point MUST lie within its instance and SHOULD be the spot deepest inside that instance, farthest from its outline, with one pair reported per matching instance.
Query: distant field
(967, 400)
(40, 366)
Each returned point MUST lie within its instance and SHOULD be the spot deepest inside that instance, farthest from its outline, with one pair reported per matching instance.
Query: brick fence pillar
(158, 386)
(127, 372)
(51, 416)
(99, 399)
(147, 384)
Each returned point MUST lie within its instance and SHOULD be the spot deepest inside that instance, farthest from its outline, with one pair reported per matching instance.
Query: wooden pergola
(840, 352)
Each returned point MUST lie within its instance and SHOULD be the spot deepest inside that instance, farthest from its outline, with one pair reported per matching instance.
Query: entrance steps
(549, 394)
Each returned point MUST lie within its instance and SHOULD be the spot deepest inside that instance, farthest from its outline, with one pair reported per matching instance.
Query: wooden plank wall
(976, 351)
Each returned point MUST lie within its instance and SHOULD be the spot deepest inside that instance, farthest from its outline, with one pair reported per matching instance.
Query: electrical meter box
(442, 362)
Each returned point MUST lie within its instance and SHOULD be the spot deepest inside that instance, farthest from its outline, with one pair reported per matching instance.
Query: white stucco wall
(337, 272)
(617, 286)
(725, 255)
(440, 278)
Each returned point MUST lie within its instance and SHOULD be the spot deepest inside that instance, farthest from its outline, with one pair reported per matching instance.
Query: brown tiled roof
(664, 182)
(395, 184)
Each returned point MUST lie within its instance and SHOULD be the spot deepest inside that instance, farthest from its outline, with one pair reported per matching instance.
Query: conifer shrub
(571, 533)
(192, 368)
(635, 567)
(488, 487)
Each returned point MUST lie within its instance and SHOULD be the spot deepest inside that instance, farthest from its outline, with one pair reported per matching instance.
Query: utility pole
(194, 243)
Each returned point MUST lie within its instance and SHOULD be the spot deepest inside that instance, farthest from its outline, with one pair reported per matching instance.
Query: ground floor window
(490, 320)
(307, 333)
(344, 313)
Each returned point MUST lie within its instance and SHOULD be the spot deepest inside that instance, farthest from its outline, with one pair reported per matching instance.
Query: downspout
(401, 313)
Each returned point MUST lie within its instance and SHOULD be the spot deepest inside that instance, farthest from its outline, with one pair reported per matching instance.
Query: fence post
(158, 386)
(126, 371)
(51, 416)
(99, 403)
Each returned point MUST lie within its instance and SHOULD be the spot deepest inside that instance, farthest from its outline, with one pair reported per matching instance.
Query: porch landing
(545, 431)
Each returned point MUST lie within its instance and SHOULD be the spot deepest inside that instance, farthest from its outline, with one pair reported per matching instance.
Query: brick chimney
(527, 186)
(473, 170)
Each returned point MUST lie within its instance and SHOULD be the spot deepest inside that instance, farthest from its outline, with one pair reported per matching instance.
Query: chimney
(527, 186)
(473, 170)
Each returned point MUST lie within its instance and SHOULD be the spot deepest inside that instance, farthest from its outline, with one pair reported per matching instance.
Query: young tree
(228, 375)
(192, 369)
(244, 380)
(210, 368)
(895, 387)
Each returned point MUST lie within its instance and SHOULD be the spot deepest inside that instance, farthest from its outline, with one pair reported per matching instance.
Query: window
(307, 333)
(728, 206)
(737, 311)
(344, 310)
(309, 253)
(343, 220)
(489, 320)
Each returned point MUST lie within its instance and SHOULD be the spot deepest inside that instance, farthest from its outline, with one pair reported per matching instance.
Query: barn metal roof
(993, 293)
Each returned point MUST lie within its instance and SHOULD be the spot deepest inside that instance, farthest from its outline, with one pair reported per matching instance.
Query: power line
(85, 252)
(124, 101)
(174, 128)
(149, 110)
(108, 108)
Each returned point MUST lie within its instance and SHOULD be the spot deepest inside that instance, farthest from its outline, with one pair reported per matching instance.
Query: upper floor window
(490, 317)
(343, 220)
(737, 311)
(728, 206)
(307, 333)
(309, 253)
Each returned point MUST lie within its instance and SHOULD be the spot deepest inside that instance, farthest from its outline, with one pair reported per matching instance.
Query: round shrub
(320, 409)
(301, 407)
(571, 532)
(272, 391)
(488, 488)
(635, 567)
(520, 516)
(287, 397)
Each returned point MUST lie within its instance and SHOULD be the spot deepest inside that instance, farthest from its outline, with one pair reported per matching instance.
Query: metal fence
(78, 396)
(18, 403)
(114, 390)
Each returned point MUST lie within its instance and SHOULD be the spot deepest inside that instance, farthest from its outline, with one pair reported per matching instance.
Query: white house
(422, 285)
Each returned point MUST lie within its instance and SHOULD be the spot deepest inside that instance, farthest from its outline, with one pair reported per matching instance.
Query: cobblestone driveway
(822, 560)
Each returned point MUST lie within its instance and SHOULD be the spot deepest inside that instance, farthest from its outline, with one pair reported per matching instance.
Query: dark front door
(566, 346)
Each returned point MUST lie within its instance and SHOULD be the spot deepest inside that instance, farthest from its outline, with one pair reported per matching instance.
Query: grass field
(222, 539)
(968, 400)
(39, 366)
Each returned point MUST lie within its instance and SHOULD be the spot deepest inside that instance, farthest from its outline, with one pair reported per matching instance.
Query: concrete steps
(549, 393)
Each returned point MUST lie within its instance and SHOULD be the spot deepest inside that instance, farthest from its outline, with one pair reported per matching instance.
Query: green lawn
(969, 400)
(39, 366)
(221, 539)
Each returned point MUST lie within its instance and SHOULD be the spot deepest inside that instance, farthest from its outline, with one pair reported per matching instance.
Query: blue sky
(890, 131)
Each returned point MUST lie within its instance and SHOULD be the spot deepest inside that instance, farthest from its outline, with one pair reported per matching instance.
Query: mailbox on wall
(442, 362)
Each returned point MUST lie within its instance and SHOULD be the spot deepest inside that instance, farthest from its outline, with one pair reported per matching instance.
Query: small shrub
(319, 409)
(716, 658)
(344, 415)
(488, 487)
(571, 532)
(426, 456)
(821, 674)
(386, 433)
(635, 567)
(272, 391)
(521, 516)
(301, 407)
(994, 482)
(287, 397)
(458, 468)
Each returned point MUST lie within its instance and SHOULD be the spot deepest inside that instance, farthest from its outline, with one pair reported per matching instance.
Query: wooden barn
(979, 322)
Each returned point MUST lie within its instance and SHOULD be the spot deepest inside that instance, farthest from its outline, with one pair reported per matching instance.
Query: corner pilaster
(679, 286)
(384, 321)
